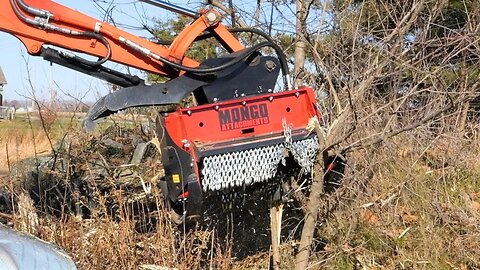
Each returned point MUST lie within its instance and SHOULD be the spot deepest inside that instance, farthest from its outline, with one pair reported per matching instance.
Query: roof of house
(3, 80)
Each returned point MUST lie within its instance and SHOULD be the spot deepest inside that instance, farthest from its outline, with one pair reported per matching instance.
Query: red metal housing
(242, 123)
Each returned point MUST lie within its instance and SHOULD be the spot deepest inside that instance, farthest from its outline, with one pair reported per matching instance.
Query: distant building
(3, 81)
(25, 109)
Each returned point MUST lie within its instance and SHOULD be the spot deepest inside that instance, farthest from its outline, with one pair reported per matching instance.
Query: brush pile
(88, 174)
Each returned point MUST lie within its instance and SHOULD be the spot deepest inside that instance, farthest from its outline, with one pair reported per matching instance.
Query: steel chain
(240, 168)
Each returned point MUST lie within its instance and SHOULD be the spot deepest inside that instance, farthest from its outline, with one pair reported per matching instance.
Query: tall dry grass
(121, 241)
(20, 140)
(409, 203)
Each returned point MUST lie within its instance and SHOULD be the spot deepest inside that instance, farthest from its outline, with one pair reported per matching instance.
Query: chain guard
(257, 165)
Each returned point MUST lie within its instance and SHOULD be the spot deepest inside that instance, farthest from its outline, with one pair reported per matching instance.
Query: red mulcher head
(239, 134)
(236, 143)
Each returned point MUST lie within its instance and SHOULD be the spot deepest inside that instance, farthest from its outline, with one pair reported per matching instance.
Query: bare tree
(383, 81)
(302, 8)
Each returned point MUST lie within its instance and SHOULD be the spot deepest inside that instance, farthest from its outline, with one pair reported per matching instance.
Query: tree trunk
(314, 200)
(312, 209)
(232, 14)
(300, 45)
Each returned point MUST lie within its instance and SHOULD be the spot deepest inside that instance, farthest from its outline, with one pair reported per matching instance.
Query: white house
(3, 81)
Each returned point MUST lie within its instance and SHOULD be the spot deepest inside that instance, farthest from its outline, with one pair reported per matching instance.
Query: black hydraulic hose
(44, 25)
(251, 30)
(278, 50)
(230, 63)
(271, 43)
(102, 40)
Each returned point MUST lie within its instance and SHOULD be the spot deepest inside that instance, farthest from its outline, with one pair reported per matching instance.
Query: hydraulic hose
(281, 55)
(230, 63)
(48, 26)
(102, 40)
(270, 43)
(34, 11)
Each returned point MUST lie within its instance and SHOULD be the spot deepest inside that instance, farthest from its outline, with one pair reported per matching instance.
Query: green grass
(23, 124)
(18, 124)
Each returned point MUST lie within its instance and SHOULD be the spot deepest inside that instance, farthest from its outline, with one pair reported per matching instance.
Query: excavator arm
(43, 22)
(241, 130)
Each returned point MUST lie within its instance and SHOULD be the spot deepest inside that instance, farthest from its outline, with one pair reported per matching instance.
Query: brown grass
(18, 141)
(412, 205)
(103, 242)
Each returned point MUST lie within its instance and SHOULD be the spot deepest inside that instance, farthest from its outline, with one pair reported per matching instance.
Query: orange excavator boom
(43, 22)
